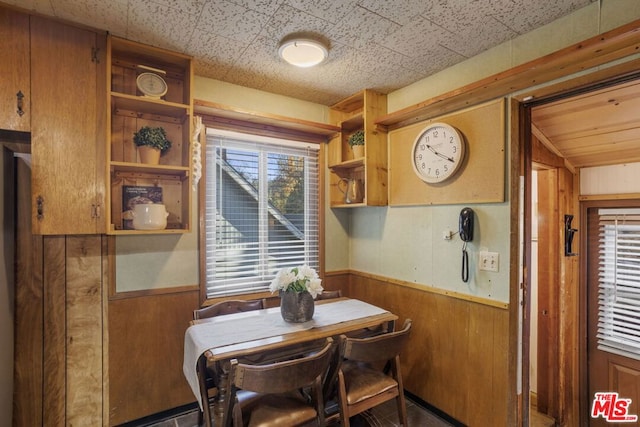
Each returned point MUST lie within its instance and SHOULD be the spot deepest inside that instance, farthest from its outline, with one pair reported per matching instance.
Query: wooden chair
(227, 307)
(329, 295)
(370, 374)
(209, 381)
(272, 394)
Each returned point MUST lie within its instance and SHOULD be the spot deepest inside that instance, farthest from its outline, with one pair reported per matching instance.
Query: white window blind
(261, 210)
(619, 282)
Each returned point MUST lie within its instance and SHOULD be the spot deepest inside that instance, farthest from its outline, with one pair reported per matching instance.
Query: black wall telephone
(466, 225)
(465, 229)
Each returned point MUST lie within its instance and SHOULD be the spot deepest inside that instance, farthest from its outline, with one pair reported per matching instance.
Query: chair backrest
(284, 376)
(377, 348)
(227, 307)
(329, 295)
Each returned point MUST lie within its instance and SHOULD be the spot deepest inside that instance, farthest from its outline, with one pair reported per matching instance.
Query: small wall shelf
(358, 112)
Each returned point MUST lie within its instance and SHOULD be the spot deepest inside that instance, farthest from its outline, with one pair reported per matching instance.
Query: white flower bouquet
(297, 279)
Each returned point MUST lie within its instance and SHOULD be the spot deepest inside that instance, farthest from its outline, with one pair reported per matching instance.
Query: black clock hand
(445, 157)
(439, 154)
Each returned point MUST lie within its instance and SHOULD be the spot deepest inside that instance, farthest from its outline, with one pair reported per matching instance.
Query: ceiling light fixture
(303, 52)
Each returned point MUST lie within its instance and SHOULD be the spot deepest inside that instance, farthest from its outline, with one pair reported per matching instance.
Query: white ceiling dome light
(303, 52)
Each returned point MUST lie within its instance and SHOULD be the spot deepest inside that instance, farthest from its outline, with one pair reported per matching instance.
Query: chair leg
(402, 409)
(402, 404)
(342, 398)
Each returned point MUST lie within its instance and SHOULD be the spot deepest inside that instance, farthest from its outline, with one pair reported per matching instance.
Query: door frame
(561, 400)
(572, 365)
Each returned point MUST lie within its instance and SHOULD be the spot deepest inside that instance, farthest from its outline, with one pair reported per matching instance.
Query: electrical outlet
(489, 261)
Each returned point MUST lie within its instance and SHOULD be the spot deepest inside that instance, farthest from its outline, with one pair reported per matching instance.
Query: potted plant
(356, 142)
(151, 142)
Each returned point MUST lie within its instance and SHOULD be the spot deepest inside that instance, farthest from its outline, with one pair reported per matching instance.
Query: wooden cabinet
(15, 95)
(129, 111)
(358, 112)
(67, 128)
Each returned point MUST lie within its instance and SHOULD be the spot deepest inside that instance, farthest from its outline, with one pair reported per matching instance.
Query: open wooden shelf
(129, 111)
(358, 112)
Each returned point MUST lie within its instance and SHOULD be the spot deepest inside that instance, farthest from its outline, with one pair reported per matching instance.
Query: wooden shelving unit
(129, 111)
(358, 112)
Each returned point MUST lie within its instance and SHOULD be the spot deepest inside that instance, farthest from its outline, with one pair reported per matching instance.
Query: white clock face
(151, 85)
(438, 153)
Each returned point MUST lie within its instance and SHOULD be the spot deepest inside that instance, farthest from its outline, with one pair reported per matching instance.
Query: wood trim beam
(232, 118)
(597, 197)
(428, 289)
(542, 138)
(596, 51)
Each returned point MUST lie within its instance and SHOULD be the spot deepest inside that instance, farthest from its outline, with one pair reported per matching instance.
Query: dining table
(217, 340)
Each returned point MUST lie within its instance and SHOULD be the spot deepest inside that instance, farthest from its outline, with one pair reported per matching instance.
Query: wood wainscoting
(146, 341)
(458, 354)
(59, 361)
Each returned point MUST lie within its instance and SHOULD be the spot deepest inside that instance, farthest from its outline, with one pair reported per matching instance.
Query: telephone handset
(466, 225)
(465, 231)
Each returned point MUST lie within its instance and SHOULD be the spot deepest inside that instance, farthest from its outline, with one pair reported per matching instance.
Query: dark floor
(384, 415)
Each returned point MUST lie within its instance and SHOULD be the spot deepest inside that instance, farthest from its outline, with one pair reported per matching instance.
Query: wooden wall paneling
(108, 271)
(28, 375)
(54, 338)
(542, 157)
(517, 278)
(487, 336)
(569, 297)
(448, 329)
(146, 339)
(455, 346)
(84, 330)
(558, 298)
(484, 131)
(549, 232)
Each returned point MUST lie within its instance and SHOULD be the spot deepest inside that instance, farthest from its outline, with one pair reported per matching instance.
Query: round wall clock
(438, 153)
(151, 85)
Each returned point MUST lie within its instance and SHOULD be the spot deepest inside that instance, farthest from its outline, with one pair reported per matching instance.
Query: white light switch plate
(489, 261)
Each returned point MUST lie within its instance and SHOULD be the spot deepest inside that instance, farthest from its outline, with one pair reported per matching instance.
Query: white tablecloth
(253, 325)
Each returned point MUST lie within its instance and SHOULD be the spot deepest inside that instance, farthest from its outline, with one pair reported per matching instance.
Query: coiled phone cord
(465, 263)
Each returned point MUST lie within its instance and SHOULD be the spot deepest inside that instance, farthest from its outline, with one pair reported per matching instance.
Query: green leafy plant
(356, 138)
(155, 137)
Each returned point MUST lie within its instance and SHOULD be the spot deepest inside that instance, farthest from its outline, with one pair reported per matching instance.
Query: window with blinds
(619, 282)
(261, 210)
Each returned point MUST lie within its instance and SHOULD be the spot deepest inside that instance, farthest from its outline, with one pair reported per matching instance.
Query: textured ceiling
(378, 44)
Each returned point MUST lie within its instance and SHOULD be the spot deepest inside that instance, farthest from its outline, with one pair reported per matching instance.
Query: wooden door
(607, 372)
(14, 69)
(67, 140)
